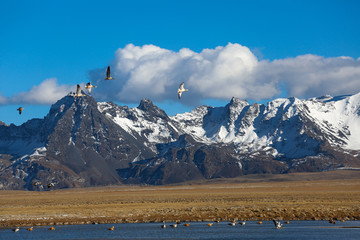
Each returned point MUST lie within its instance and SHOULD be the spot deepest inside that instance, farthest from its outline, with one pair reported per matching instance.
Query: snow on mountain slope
(282, 126)
(87, 143)
(20, 140)
(340, 116)
(150, 122)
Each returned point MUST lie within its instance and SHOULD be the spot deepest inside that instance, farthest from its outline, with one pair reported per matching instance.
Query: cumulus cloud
(233, 70)
(46, 93)
(311, 75)
(152, 72)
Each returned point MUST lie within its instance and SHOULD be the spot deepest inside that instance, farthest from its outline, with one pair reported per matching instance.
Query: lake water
(307, 230)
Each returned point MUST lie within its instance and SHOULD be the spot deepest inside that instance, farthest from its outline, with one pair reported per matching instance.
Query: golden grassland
(306, 196)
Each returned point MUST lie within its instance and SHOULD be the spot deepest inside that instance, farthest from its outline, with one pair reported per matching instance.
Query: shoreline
(54, 222)
(302, 198)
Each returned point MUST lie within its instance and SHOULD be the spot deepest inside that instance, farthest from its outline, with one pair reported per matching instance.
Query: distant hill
(83, 143)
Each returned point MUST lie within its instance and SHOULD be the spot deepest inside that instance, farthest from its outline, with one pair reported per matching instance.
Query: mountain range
(82, 142)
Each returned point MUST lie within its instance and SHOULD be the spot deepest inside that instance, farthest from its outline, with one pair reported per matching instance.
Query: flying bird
(78, 92)
(277, 224)
(181, 90)
(50, 185)
(88, 86)
(20, 110)
(108, 75)
(36, 183)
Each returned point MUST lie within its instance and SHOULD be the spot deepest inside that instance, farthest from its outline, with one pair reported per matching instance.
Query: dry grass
(331, 195)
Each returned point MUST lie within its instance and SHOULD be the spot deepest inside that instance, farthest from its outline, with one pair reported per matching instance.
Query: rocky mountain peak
(237, 101)
(236, 106)
(146, 104)
(152, 110)
(85, 143)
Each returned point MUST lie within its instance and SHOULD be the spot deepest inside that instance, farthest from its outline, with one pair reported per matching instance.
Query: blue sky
(254, 50)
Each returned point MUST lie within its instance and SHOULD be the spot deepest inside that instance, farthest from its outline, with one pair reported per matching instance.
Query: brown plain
(304, 196)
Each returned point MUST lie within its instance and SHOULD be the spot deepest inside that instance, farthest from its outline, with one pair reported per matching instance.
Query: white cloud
(233, 70)
(310, 75)
(48, 92)
(153, 72)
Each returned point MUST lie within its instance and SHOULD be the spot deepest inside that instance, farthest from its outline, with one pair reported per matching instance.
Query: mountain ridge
(82, 143)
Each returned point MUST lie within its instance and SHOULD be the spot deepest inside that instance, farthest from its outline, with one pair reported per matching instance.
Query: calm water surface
(197, 230)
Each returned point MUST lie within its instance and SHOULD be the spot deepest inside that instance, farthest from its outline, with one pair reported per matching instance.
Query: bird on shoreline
(173, 225)
(181, 90)
(20, 110)
(88, 86)
(108, 75)
(164, 225)
(277, 224)
(332, 221)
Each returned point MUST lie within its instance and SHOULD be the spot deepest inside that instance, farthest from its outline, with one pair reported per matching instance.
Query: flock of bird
(38, 183)
(88, 86)
(277, 224)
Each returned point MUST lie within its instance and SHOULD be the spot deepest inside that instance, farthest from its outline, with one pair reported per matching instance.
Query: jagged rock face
(85, 143)
(90, 144)
(76, 145)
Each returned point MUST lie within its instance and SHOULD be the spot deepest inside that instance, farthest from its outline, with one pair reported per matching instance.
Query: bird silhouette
(20, 110)
(108, 75)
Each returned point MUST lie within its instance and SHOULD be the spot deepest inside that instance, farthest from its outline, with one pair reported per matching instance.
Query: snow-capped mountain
(87, 143)
(286, 127)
